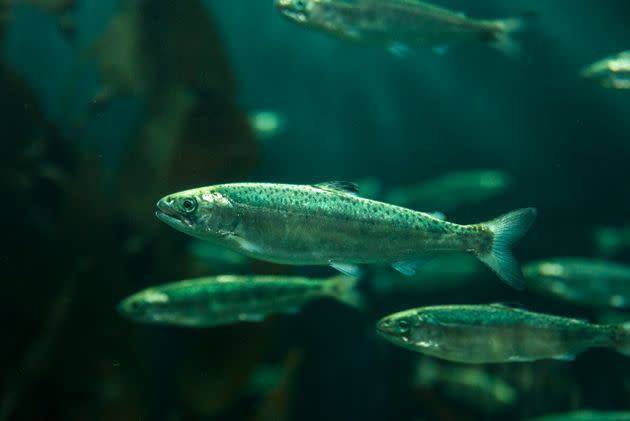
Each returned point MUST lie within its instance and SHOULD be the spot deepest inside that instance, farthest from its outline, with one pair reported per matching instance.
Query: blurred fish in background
(590, 282)
(451, 191)
(586, 415)
(612, 241)
(398, 24)
(611, 72)
(267, 124)
(470, 385)
(227, 299)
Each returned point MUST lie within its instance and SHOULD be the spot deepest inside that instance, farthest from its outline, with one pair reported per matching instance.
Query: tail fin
(624, 342)
(344, 289)
(503, 39)
(506, 229)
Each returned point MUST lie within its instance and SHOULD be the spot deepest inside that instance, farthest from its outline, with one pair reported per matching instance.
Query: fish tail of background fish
(507, 229)
(623, 343)
(500, 35)
(344, 289)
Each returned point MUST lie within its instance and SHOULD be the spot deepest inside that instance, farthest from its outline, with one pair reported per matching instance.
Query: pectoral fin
(347, 269)
(410, 267)
(566, 357)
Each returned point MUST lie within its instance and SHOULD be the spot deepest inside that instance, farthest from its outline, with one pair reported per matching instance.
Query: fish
(612, 72)
(329, 224)
(611, 241)
(399, 25)
(586, 415)
(451, 191)
(497, 333)
(226, 299)
(267, 124)
(591, 282)
(471, 385)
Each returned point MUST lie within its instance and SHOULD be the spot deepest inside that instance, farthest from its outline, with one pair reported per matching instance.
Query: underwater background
(109, 105)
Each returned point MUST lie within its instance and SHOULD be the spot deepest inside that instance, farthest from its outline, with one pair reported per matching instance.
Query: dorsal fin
(346, 187)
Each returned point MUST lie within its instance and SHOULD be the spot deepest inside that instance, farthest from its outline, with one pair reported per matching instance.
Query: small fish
(471, 385)
(611, 72)
(586, 415)
(328, 224)
(226, 299)
(267, 123)
(497, 333)
(399, 24)
(592, 282)
(611, 241)
(451, 191)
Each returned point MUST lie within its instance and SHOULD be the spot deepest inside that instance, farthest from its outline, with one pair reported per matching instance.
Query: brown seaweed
(73, 354)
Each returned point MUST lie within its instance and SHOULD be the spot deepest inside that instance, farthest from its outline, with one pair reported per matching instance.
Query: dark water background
(352, 112)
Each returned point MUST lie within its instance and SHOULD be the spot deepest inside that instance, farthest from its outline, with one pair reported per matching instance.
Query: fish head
(410, 328)
(397, 328)
(204, 213)
(145, 306)
(611, 72)
(297, 10)
(596, 71)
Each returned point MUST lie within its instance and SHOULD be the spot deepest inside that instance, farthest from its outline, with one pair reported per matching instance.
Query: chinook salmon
(496, 333)
(328, 224)
(398, 24)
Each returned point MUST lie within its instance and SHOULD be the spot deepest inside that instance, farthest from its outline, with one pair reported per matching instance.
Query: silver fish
(593, 282)
(452, 190)
(586, 415)
(497, 333)
(267, 124)
(398, 24)
(328, 224)
(472, 385)
(611, 72)
(225, 299)
(611, 241)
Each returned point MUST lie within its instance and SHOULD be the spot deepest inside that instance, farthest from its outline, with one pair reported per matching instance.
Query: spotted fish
(328, 224)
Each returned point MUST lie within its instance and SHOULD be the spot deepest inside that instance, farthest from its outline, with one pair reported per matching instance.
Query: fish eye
(403, 326)
(189, 205)
(300, 5)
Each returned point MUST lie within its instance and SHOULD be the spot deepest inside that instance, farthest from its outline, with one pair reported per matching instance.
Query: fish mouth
(166, 214)
(284, 6)
(385, 328)
(292, 15)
